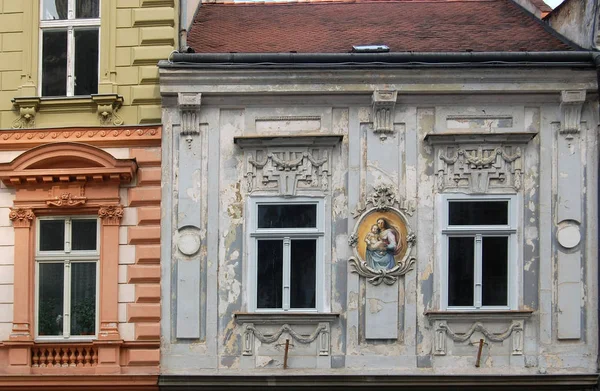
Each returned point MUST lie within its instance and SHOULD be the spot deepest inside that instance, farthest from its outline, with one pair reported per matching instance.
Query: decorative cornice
(111, 214)
(21, 218)
(571, 104)
(383, 104)
(28, 108)
(108, 105)
(96, 136)
(304, 140)
(479, 138)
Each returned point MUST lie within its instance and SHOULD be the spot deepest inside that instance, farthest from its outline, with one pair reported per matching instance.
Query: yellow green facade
(134, 36)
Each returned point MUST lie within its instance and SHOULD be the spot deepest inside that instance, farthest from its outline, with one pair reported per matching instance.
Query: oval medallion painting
(382, 240)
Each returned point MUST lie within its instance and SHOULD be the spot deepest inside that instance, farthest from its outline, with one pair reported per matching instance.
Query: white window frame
(69, 24)
(287, 234)
(479, 231)
(67, 257)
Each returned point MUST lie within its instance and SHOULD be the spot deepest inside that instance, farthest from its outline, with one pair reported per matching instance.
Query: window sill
(105, 105)
(284, 317)
(478, 315)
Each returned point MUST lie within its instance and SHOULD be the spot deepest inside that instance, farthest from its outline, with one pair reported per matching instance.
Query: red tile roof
(335, 26)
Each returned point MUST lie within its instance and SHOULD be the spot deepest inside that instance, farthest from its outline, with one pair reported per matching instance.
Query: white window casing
(69, 24)
(67, 258)
(478, 232)
(287, 235)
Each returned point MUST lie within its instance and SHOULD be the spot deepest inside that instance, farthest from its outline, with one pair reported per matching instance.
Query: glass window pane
(478, 213)
(84, 234)
(87, 9)
(54, 9)
(303, 273)
(461, 271)
(83, 298)
(269, 283)
(495, 271)
(54, 63)
(287, 216)
(50, 307)
(52, 235)
(86, 61)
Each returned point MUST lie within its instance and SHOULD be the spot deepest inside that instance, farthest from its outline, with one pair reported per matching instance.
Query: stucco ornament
(67, 199)
(383, 240)
(287, 169)
(21, 217)
(321, 334)
(479, 168)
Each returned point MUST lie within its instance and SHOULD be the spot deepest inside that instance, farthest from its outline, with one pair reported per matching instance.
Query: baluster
(63, 357)
(54, 362)
(72, 357)
(87, 358)
(34, 357)
(94, 357)
(43, 357)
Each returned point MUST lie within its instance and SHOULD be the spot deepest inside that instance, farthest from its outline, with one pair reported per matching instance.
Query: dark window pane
(51, 288)
(287, 216)
(495, 271)
(303, 273)
(269, 274)
(461, 271)
(52, 235)
(478, 213)
(54, 9)
(86, 62)
(84, 234)
(87, 8)
(83, 298)
(54, 63)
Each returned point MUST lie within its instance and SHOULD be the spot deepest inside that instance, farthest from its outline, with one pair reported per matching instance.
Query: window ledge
(105, 105)
(301, 140)
(281, 318)
(478, 315)
(479, 138)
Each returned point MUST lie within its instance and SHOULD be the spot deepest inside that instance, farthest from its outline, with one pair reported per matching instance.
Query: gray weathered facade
(369, 140)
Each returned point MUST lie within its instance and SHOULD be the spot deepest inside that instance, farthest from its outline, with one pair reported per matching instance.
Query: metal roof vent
(370, 49)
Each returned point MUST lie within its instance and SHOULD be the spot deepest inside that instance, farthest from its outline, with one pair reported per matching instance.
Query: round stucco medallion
(568, 236)
(189, 243)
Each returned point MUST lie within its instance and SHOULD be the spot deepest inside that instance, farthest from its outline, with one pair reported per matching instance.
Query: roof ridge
(319, 2)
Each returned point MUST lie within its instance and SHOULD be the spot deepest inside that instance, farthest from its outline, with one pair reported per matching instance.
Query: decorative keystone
(571, 103)
(28, 108)
(108, 104)
(384, 103)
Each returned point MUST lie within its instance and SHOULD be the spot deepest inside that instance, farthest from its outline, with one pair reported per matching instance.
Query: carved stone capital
(21, 218)
(189, 104)
(383, 103)
(108, 104)
(571, 103)
(28, 108)
(111, 214)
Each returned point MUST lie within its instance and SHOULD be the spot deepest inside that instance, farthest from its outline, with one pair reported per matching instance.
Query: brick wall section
(143, 312)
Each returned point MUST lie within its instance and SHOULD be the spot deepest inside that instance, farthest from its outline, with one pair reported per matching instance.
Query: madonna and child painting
(382, 240)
